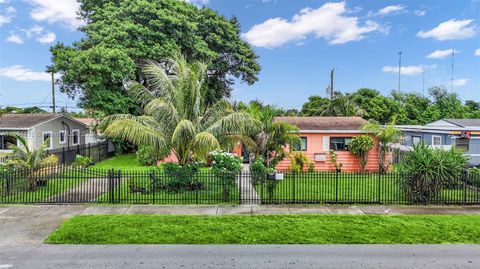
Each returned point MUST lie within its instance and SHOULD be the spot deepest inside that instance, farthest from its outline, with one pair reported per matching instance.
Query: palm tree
(387, 135)
(273, 136)
(175, 116)
(24, 157)
(30, 161)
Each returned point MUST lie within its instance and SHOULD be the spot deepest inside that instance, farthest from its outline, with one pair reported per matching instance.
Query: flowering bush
(226, 166)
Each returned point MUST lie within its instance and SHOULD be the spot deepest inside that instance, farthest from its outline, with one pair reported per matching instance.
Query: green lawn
(123, 162)
(211, 191)
(325, 187)
(273, 229)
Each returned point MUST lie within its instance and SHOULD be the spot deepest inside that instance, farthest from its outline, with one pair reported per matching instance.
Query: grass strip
(268, 229)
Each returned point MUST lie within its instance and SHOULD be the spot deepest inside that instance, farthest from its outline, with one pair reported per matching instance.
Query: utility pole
(451, 82)
(53, 93)
(399, 69)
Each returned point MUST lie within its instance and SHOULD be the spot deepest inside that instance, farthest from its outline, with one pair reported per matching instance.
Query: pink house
(320, 134)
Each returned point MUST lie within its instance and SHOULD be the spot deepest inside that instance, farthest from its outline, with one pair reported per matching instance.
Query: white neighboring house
(91, 136)
(62, 130)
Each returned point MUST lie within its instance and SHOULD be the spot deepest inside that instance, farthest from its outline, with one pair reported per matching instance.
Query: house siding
(350, 162)
(426, 137)
(55, 126)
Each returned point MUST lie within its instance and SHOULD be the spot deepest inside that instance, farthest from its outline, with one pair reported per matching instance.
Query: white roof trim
(60, 116)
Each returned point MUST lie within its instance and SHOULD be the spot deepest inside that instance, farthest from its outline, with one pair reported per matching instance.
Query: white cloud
(460, 82)
(390, 9)
(477, 52)
(450, 30)
(52, 11)
(5, 19)
(3, 1)
(329, 21)
(18, 72)
(10, 10)
(420, 13)
(411, 70)
(47, 38)
(440, 54)
(15, 39)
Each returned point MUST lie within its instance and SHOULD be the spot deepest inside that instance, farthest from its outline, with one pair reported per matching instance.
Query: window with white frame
(75, 137)
(62, 137)
(416, 139)
(436, 140)
(47, 136)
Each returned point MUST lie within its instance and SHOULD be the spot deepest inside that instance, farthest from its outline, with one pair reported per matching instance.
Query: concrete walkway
(247, 191)
(33, 223)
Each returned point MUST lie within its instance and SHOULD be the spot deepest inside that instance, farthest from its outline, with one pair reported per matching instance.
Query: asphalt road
(239, 256)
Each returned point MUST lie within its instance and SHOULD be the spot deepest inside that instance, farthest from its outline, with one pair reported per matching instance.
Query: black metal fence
(71, 184)
(97, 151)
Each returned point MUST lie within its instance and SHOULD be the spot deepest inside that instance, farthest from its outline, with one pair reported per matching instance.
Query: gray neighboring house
(462, 133)
(62, 130)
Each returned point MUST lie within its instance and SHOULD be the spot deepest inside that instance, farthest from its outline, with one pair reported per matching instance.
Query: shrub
(298, 161)
(181, 178)
(425, 171)
(333, 157)
(147, 155)
(226, 166)
(360, 146)
(83, 161)
(50, 160)
(258, 170)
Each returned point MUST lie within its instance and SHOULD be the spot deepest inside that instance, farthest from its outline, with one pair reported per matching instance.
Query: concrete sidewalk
(26, 224)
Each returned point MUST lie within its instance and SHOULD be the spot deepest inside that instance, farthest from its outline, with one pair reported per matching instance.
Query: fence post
(240, 188)
(118, 185)
(465, 179)
(293, 186)
(152, 185)
(63, 155)
(379, 188)
(111, 185)
(336, 186)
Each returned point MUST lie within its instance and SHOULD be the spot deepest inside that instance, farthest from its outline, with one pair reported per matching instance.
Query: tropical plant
(298, 161)
(360, 146)
(226, 167)
(148, 155)
(273, 136)
(425, 171)
(83, 161)
(258, 170)
(176, 118)
(333, 157)
(181, 178)
(23, 157)
(386, 135)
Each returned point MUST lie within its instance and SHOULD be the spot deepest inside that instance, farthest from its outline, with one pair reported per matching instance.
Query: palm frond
(203, 143)
(140, 92)
(235, 123)
(135, 132)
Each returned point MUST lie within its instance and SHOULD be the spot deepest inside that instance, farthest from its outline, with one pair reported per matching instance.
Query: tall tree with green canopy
(378, 107)
(176, 117)
(120, 33)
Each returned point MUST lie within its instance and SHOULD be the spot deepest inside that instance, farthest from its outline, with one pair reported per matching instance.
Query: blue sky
(298, 42)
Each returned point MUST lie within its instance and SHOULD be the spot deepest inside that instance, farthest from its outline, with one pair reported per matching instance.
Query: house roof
(87, 121)
(464, 122)
(325, 123)
(26, 121)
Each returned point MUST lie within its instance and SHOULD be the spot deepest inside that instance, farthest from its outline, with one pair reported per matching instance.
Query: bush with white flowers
(226, 167)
